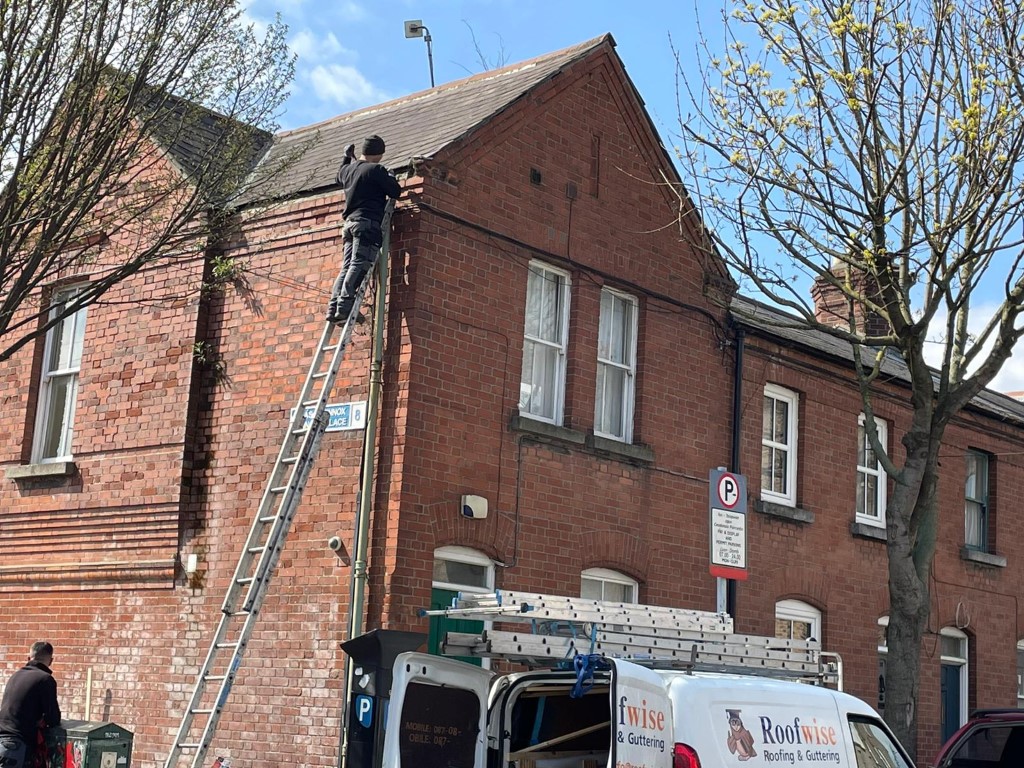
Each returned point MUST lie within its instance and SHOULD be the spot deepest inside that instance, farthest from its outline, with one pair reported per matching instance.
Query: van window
(439, 726)
(874, 747)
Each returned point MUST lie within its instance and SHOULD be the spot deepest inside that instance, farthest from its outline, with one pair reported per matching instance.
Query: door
(437, 716)
(439, 625)
(952, 717)
(641, 717)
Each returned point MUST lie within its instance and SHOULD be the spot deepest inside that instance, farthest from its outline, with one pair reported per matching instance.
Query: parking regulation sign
(728, 524)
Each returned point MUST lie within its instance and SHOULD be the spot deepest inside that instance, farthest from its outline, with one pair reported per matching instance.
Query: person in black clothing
(28, 705)
(368, 185)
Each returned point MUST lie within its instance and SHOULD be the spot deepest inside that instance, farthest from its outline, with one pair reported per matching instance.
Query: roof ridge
(570, 53)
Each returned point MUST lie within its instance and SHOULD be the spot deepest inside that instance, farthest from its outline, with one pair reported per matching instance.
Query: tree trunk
(912, 524)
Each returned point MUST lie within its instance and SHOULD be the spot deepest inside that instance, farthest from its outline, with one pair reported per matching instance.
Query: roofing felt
(414, 126)
(773, 322)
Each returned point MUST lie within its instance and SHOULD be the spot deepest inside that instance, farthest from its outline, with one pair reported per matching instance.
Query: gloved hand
(350, 154)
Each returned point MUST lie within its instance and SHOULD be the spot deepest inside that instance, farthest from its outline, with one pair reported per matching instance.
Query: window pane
(540, 366)
(781, 422)
(971, 490)
(952, 647)
(766, 468)
(611, 385)
(1020, 673)
(974, 518)
(534, 297)
(779, 471)
(590, 589)
(867, 495)
(767, 422)
(60, 402)
(76, 355)
(618, 593)
(985, 746)
(873, 747)
(862, 439)
(455, 572)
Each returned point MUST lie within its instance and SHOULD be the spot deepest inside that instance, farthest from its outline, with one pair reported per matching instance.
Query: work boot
(332, 311)
(342, 309)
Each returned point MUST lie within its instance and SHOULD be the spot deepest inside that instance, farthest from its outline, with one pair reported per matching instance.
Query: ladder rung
(323, 368)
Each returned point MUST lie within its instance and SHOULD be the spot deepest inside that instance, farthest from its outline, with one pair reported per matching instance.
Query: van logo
(740, 741)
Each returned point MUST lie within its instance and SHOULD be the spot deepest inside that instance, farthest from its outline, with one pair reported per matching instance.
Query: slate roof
(771, 321)
(418, 125)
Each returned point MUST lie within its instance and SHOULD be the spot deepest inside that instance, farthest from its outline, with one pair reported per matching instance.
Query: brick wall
(186, 450)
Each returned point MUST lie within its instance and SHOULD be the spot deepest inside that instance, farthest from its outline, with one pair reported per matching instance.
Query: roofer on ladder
(368, 185)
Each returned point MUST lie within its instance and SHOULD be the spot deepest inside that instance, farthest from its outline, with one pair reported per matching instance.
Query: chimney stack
(832, 307)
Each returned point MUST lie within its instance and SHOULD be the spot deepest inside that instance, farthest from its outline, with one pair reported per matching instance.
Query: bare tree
(875, 147)
(126, 129)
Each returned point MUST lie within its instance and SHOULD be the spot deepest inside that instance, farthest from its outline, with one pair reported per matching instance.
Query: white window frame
(877, 471)
(776, 392)
(608, 576)
(470, 556)
(561, 345)
(961, 661)
(1020, 675)
(883, 655)
(628, 394)
(75, 325)
(986, 460)
(798, 610)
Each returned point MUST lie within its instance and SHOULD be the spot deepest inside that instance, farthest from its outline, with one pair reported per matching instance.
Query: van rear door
(437, 716)
(641, 718)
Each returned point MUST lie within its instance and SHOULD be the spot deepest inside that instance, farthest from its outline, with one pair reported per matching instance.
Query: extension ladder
(270, 526)
(562, 627)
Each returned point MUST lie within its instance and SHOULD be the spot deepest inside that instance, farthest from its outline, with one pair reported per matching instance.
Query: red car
(992, 738)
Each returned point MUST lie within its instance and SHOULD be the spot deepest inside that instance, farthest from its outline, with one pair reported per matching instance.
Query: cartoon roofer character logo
(741, 741)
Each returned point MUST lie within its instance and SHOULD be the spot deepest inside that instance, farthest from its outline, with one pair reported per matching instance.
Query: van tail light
(684, 756)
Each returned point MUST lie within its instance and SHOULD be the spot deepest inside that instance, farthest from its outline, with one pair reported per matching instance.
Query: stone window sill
(522, 423)
(866, 531)
(37, 471)
(636, 453)
(793, 514)
(982, 558)
(632, 452)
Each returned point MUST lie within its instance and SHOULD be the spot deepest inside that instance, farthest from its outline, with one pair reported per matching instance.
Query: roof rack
(654, 636)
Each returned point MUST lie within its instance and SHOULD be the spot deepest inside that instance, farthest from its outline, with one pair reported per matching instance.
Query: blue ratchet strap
(586, 665)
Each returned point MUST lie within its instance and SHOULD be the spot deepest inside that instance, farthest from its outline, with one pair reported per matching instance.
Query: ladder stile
(267, 533)
(558, 628)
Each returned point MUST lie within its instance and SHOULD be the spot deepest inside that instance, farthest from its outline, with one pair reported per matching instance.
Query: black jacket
(30, 697)
(367, 188)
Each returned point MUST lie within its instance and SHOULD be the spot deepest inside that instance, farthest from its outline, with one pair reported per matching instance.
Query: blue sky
(354, 53)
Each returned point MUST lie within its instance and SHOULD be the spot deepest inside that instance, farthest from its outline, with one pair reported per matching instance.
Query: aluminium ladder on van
(270, 526)
(559, 628)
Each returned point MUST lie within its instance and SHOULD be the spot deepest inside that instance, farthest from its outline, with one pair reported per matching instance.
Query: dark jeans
(362, 243)
(12, 752)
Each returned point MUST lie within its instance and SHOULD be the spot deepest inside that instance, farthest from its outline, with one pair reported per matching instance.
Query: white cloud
(312, 48)
(344, 86)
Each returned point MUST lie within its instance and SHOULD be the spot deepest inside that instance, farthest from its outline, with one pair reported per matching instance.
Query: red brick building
(551, 346)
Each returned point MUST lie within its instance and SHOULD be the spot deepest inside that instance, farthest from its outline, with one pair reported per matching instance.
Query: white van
(618, 713)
